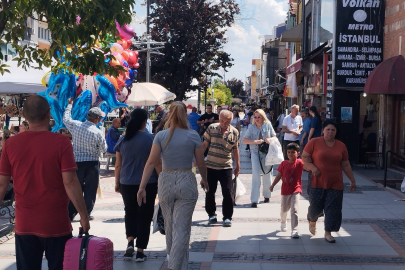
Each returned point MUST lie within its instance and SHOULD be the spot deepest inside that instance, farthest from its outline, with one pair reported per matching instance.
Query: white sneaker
(283, 227)
(295, 234)
(227, 223)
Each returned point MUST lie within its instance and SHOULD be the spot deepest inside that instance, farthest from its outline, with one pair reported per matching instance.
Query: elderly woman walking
(258, 132)
(178, 192)
(326, 157)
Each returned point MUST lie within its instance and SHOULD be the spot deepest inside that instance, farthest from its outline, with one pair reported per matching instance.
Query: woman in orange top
(326, 157)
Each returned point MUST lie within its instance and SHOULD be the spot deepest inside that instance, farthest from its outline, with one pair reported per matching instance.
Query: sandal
(312, 229)
(330, 239)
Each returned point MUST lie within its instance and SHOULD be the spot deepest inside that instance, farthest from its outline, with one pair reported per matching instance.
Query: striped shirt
(220, 146)
(88, 141)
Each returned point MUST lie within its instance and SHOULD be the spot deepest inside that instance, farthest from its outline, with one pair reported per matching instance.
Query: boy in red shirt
(290, 171)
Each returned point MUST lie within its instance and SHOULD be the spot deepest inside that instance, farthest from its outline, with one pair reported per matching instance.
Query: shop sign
(327, 83)
(293, 68)
(359, 36)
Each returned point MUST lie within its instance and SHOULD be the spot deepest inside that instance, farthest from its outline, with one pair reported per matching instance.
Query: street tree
(235, 85)
(194, 32)
(222, 94)
(75, 27)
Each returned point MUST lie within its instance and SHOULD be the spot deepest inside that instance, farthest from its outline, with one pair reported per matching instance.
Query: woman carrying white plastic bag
(275, 154)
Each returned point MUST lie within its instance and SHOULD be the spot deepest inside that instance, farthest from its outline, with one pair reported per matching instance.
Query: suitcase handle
(81, 233)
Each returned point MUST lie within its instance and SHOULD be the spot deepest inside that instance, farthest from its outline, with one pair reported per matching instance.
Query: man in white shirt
(292, 127)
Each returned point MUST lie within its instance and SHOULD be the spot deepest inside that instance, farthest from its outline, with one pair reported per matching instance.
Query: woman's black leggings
(328, 201)
(138, 218)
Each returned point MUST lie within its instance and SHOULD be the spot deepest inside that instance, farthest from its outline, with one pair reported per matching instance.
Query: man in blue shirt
(306, 127)
(113, 135)
(193, 118)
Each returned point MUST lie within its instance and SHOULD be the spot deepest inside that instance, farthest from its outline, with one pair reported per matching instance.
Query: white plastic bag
(275, 154)
(403, 185)
(240, 189)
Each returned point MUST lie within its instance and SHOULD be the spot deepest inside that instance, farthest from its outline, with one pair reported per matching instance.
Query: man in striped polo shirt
(222, 140)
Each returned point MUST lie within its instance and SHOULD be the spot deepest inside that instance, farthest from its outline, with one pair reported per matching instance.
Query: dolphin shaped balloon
(81, 106)
(51, 95)
(67, 90)
(106, 92)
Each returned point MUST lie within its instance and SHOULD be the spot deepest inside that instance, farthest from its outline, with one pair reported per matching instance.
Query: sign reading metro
(358, 42)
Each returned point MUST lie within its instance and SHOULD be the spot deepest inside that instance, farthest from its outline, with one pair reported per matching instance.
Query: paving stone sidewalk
(372, 236)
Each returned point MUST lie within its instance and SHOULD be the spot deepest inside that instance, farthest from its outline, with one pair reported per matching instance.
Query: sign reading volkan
(358, 45)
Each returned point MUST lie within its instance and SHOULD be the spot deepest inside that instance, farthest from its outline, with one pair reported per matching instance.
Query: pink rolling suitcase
(88, 253)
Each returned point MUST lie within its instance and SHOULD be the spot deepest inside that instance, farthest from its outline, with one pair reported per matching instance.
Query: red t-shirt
(291, 176)
(328, 161)
(35, 161)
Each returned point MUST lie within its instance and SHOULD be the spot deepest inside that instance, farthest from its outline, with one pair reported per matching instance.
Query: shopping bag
(275, 153)
(403, 185)
(240, 189)
(158, 220)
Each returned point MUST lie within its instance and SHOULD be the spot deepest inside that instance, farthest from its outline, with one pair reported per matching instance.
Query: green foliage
(3, 69)
(222, 94)
(194, 32)
(97, 23)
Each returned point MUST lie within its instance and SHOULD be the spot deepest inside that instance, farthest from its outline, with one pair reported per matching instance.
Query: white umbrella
(149, 94)
(21, 81)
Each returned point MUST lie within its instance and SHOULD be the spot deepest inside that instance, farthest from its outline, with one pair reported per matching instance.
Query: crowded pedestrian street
(372, 235)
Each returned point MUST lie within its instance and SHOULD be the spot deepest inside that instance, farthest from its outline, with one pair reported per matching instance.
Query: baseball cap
(95, 112)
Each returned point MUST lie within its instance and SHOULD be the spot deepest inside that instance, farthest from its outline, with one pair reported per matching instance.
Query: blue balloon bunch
(63, 86)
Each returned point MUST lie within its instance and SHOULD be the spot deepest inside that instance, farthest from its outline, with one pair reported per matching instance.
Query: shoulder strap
(83, 251)
(261, 166)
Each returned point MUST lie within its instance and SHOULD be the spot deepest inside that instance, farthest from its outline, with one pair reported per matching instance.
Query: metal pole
(199, 99)
(147, 16)
(148, 64)
(205, 95)
(148, 60)
(385, 168)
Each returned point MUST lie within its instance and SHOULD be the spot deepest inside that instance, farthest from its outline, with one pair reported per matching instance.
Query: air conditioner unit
(31, 31)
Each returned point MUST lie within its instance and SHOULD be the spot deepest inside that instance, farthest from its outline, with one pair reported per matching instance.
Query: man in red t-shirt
(290, 171)
(43, 169)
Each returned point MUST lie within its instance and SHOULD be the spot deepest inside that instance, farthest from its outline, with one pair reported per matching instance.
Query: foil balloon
(136, 65)
(104, 108)
(67, 90)
(122, 95)
(121, 84)
(106, 91)
(81, 106)
(125, 31)
(116, 48)
(119, 58)
(113, 81)
(88, 84)
(45, 79)
(132, 58)
(124, 44)
(51, 95)
(129, 43)
(125, 55)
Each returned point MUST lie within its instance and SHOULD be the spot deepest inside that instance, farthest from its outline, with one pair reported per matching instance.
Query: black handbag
(161, 221)
(264, 147)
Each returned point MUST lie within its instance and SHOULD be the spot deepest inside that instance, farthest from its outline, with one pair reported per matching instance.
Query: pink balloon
(116, 48)
(125, 31)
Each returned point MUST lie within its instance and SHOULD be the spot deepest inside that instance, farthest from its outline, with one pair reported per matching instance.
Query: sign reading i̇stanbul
(358, 44)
